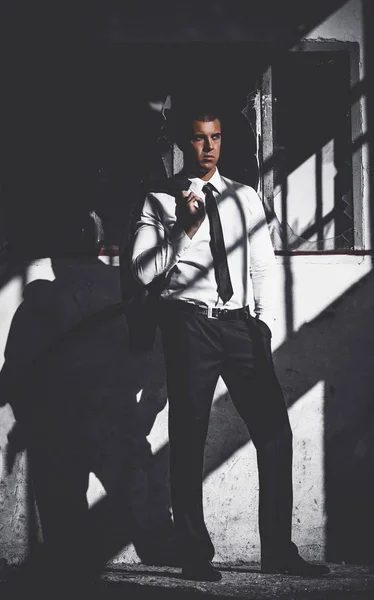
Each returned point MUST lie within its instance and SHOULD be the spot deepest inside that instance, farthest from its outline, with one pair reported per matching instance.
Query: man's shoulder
(237, 187)
(161, 200)
(159, 197)
(159, 204)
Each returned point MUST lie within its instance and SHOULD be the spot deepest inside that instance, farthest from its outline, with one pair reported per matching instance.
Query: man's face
(203, 148)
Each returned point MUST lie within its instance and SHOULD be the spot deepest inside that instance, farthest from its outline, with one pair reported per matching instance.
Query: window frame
(265, 118)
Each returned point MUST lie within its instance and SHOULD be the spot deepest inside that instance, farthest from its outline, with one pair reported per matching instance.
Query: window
(311, 172)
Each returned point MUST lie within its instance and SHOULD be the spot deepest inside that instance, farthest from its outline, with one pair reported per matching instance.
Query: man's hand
(190, 212)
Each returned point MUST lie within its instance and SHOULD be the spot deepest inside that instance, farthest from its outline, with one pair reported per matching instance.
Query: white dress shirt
(162, 246)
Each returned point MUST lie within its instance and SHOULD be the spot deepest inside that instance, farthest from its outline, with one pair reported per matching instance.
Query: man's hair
(185, 113)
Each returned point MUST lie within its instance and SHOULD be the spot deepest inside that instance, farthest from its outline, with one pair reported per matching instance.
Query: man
(212, 245)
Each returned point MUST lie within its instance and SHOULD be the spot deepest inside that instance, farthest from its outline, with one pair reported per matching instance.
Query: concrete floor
(140, 582)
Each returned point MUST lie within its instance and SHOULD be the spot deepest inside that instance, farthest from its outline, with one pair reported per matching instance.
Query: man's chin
(207, 167)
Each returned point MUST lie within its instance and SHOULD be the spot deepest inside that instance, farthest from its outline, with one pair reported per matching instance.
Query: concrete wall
(322, 348)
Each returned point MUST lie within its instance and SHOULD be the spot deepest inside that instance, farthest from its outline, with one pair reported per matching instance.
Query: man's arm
(262, 268)
(154, 251)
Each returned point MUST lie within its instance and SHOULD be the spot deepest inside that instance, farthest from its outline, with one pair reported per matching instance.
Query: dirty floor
(140, 582)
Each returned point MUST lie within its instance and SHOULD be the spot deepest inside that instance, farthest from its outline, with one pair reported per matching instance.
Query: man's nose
(208, 144)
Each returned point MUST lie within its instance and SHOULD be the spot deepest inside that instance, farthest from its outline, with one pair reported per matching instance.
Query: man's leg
(255, 390)
(193, 362)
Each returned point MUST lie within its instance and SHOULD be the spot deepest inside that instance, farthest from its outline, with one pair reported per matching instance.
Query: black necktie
(217, 245)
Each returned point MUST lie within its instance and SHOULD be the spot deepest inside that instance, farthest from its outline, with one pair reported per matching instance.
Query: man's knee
(278, 437)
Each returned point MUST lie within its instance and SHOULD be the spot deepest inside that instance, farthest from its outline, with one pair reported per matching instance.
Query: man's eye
(216, 136)
(198, 138)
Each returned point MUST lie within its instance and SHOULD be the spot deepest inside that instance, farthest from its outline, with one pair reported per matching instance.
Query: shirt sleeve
(262, 262)
(155, 251)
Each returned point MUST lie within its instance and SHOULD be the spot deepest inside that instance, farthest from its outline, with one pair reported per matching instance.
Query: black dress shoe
(294, 566)
(200, 571)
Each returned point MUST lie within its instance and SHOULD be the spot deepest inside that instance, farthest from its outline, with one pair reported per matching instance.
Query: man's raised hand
(190, 212)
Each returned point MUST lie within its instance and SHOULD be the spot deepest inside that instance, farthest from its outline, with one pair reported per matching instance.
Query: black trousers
(197, 351)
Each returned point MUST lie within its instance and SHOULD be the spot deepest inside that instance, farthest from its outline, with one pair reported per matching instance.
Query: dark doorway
(82, 130)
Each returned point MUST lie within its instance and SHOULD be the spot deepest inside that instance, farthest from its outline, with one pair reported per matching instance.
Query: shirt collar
(197, 184)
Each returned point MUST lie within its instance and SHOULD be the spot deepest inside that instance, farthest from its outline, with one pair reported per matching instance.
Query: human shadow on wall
(73, 386)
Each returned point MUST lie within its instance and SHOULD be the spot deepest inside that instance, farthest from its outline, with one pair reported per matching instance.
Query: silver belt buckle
(210, 313)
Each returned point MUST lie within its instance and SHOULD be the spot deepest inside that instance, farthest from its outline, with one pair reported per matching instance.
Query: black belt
(223, 314)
